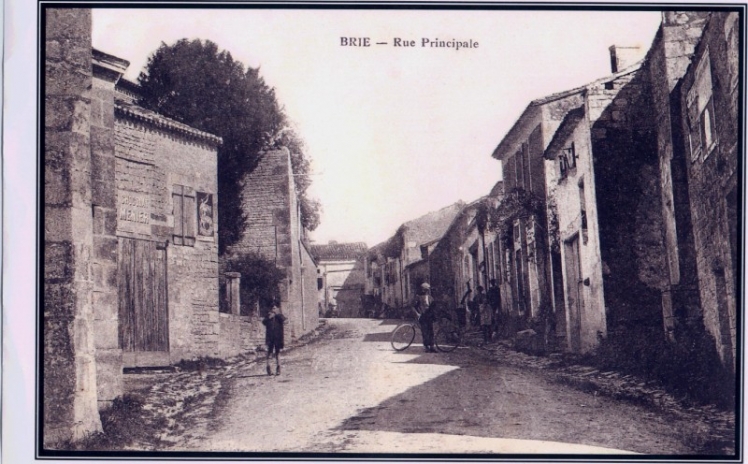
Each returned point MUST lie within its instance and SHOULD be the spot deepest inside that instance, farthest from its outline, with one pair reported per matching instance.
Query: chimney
(622, 57)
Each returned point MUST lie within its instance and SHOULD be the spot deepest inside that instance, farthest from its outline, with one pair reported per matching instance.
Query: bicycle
(450, 336)
(404, 335)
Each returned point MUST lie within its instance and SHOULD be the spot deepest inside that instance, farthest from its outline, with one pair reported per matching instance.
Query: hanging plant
(518, 203)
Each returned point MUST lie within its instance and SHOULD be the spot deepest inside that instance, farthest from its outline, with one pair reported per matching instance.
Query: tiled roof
(138, 113)
(570, 122)
(431, 226)
(334, 251)
(557, 96)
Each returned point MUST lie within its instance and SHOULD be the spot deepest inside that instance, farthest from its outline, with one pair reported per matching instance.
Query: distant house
(396, 268)
(340, 277)
(466, 257)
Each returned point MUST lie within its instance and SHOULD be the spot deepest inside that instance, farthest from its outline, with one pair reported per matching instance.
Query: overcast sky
(394, 132)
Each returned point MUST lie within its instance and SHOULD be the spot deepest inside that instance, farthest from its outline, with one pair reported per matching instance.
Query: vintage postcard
(382, 231)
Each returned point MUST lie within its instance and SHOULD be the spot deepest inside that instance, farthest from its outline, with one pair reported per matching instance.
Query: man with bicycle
(424, 307)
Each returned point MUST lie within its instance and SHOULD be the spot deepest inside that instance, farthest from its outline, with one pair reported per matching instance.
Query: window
(424, 251)
(320, 283)
(567, 160)
(526, 166)
(702, 133)
(583, 211)
(184, 215)
(708, 129)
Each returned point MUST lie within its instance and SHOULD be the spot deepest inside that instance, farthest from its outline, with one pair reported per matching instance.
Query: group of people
(484, 311)
(484, 308)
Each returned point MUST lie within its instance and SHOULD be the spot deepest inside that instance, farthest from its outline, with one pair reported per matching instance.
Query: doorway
(574, 292)
(143, 303)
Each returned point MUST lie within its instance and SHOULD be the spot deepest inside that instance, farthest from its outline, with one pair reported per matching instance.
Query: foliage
(194, 82)
(124, 423)
(259, 281)
(301, 167)
(517, 203)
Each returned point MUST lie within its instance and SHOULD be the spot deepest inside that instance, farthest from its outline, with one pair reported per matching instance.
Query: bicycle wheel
(403, 336)
(448, 339)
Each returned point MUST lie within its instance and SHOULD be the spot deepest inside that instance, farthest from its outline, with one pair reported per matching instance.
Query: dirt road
(350, 392)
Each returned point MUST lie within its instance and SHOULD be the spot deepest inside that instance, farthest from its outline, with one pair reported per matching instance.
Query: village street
(348, 391)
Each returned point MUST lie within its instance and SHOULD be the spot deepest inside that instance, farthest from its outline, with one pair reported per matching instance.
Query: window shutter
(178, 214)
(694, 123)
(190, 216)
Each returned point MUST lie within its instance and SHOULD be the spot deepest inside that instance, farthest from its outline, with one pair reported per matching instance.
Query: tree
(194, 82)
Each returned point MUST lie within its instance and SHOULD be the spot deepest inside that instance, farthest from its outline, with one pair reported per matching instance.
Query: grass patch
(124, 424)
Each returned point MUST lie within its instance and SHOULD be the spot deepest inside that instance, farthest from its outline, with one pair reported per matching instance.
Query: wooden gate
(143, 315)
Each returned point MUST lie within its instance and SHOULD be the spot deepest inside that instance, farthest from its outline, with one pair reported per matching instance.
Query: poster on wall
(205, 214)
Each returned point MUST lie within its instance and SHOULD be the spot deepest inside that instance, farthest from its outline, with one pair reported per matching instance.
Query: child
(273, 323)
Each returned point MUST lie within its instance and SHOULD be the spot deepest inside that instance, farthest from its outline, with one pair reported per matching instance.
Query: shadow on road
(484, 399)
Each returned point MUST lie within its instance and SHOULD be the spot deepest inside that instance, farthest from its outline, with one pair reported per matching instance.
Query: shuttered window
(185, 215)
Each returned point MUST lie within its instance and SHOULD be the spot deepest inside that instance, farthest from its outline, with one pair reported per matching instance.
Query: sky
(393, 132)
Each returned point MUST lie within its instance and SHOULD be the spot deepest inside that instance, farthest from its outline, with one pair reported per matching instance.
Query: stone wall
(239, 334)
(68, 390)
(712, 175)
(274, 231)
(104, 202)
(629, 211)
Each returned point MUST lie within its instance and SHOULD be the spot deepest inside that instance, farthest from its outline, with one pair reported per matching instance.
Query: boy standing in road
(273, 323)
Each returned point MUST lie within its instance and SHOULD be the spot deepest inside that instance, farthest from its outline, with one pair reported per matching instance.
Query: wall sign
(133, 212)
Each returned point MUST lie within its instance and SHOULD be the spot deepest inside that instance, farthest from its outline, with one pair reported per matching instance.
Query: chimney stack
(622, 57)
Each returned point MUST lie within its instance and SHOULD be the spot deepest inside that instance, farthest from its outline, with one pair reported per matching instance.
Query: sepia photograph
(348, 231)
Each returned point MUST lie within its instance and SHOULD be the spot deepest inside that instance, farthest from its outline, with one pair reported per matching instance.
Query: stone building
(704, 117)
(274, 232)
(397, 267)
(642, 244)
(131, 272)
(589, 201)
(340, 277)
(532, 267)
(465, 257)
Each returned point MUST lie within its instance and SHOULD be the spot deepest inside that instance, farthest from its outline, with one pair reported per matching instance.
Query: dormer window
(567, 160)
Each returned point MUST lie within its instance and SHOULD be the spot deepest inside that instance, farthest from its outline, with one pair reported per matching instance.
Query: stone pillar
(233, 294)
(106, 71)
(69, 366)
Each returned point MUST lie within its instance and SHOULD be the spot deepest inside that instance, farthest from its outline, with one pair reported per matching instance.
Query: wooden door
(143, 316)
(574, 292)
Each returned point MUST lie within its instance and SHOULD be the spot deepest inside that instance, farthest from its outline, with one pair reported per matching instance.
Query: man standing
(494, 301)
(486, 321)
(424, 308)
(273, 323)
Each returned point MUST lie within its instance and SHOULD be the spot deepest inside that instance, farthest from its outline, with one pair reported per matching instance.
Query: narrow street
(349, 392)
